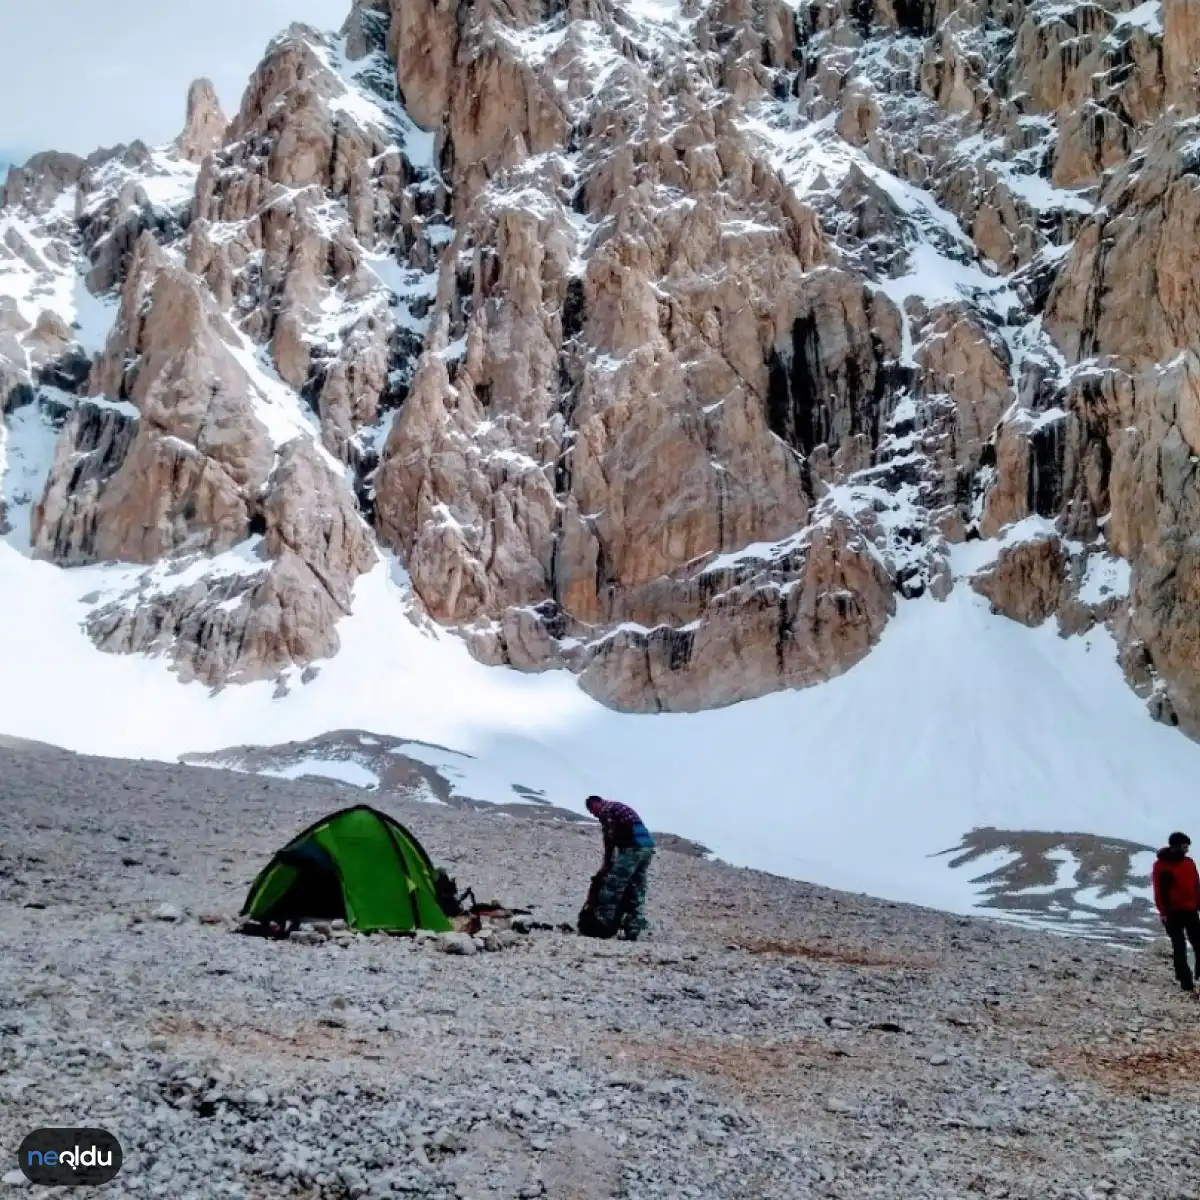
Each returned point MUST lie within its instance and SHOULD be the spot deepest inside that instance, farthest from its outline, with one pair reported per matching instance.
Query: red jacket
(1176, 883)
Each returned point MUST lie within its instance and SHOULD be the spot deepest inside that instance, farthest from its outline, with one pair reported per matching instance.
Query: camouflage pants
(620, 897)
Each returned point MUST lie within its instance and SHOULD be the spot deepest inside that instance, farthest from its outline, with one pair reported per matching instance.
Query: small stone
(167, 912)
(448, 1140)
(14, 1179)
(522, 923)
(457, 943)
(211, 918)
(257, 1097)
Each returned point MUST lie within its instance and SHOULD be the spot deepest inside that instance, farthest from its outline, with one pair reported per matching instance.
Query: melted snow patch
(165, 181)
(1040, 194)
(808, 156)
(1106, 578)
(31, 276)
(935, 278)
(93, 317)
(343, 770)
(1058, 880)
(1066, 871)
(411, 288)
(27, 440)
(245, 560)
(279, 408)
(969, 558)
(363, 105)
(758, 552)
(1146, 16)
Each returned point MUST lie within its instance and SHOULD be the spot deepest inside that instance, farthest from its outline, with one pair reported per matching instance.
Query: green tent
(357, 864)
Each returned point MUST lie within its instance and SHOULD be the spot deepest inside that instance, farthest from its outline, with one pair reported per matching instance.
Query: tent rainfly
(358, 864)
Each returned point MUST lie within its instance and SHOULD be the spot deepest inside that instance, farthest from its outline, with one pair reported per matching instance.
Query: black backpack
(587, 924)
(445, 889)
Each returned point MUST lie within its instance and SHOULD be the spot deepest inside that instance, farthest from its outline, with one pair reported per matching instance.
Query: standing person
(1177, 898)
(618, 895)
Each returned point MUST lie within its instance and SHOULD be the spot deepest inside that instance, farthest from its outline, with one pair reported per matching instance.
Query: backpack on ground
(445, 889)
(588, 925)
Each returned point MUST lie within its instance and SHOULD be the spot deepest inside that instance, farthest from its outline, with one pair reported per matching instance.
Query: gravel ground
(771, 1039)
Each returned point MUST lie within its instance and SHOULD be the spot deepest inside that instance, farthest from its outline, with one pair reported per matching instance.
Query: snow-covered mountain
(502, 374)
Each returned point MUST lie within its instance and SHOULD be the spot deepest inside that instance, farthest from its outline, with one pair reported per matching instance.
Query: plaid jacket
(622, 827)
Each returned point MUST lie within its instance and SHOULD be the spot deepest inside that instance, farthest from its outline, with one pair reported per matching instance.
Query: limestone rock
(664, 354)
(960, 360)
(1125, 289)
(277, 610)
(205, 126)
(1181, 53)
(37, 184)
(423, 41)
(1026, 582)
(119, 492)
(756, 638)
(1026, 462)
(310, 514)
(366, 28)
(49, 338)
(200, 455)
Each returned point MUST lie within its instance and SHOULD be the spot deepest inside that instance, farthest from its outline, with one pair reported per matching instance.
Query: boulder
(1026, 582)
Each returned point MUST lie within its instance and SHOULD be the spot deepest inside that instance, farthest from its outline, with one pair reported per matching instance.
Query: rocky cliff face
(670, 343)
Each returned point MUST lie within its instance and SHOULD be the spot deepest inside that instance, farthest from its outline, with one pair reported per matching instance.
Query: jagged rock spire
(205, 126)
(365, 27)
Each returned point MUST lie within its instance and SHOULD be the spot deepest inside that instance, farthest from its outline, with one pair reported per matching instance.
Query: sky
(78, 74)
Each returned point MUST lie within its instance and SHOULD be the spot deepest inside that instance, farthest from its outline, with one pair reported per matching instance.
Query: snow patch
(1148, 17)
(1040, 194)
(277, 406)
(342, 769)
(1106, 578)
(27, 441)
(757, 552)
(969, 558)
(979, 721)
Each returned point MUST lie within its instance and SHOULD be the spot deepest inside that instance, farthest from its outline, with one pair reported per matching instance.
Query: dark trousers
(619, 897)
(1182, 928)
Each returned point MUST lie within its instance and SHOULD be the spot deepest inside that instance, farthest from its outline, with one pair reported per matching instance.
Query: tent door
(316, 893)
